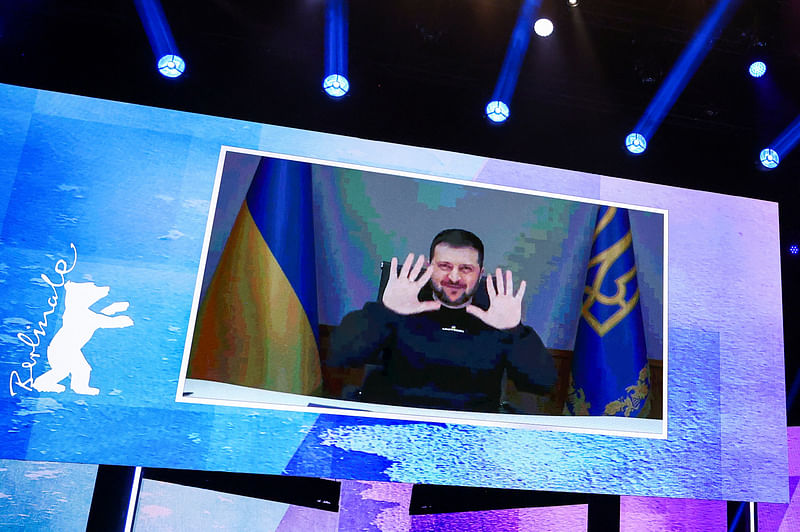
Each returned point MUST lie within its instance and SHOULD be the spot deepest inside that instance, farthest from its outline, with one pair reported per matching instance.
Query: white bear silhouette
(77, 327)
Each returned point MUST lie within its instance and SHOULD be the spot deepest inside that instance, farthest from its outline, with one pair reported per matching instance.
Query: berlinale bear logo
(78, 324)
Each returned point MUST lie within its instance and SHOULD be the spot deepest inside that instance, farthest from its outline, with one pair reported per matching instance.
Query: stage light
(636, 143)
(497, 108)
(684, 68)
(572, 3)
(168, 61)
(783, 144)
(171, 66)
(336, 85)
(757, 69)
(497, 111)
(794, 249)
(758, 48)
(543, 27)
(335, 82)
(769, 158)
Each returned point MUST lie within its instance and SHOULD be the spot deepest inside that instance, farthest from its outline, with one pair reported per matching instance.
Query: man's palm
(401, 294)
(505, 308)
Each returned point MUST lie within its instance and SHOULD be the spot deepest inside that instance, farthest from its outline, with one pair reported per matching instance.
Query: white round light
(636, 143)
(543, 27)
(757, 69)
(336, 85)
(171, 66)
(497, 111)
(769, 158)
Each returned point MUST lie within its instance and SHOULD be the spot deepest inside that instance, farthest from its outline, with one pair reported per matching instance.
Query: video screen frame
(233, 395)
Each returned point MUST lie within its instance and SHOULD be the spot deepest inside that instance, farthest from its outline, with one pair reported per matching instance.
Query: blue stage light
(684, 68)
(769, 158)
(497, 108)
(757, 69)
(783, 144)
(336, 85)
(497, 111)
(794, 249)
(169, 63)
(636, 143)
(335, 82)
(171, 66)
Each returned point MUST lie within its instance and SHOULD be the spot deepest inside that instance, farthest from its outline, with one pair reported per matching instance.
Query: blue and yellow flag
(257, 325)
(610, 374)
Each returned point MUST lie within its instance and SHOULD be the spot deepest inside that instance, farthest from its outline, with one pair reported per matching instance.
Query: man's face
(455, 274)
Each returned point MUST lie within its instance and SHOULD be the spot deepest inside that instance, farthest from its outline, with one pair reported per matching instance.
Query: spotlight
(572, 3)
(769, 158)
(757, 69)
(758, 49)
(335, 82)
(497, 108)
(783, 144)
(636, 143)
(794, 249)
(543, 27)
(336, 85)
(497, 111)
(171, 66)
(168, 62)
(684, 68)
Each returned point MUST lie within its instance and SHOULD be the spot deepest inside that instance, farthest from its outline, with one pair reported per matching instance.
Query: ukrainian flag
(610, 375)
(257, 325)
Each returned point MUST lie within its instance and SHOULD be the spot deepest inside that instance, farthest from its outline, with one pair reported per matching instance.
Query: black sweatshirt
(447, 359)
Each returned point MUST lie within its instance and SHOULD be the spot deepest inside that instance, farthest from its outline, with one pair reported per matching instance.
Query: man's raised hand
(505, 308)
(402, 290)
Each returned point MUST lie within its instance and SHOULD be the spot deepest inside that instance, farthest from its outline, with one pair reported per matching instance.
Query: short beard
(439, 295)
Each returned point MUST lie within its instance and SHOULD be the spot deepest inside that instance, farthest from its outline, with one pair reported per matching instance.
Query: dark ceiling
(421, 72)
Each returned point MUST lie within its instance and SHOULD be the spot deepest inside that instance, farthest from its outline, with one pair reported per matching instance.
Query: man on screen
(435, 344)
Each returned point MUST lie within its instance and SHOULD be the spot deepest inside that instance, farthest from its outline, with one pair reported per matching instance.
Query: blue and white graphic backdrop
(130, 187)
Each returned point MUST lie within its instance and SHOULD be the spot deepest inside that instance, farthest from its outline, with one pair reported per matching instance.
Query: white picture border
(221, 394)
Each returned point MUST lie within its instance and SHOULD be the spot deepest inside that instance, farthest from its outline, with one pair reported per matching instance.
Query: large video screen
(120, 347)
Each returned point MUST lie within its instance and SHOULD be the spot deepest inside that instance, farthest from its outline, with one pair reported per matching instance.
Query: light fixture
(782, 145)
(168, 62)
(769, 158)
(497, 108)
(171, 66)
(497, 111)
(757, 69)
(684, 68)
(335, 82)
(636, 143)
(543, 27)
(336, 85)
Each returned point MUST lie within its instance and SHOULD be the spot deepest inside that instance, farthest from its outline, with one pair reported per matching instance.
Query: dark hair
(458, 238)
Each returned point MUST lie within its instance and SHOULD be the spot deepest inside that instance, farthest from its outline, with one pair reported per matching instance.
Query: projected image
(242, 355)
(402, 295)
